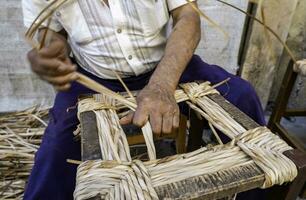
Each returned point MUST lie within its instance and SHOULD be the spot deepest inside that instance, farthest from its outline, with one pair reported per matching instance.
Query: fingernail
(74, 76)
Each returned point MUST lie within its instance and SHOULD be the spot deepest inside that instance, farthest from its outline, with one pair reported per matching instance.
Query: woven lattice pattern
(117, 176)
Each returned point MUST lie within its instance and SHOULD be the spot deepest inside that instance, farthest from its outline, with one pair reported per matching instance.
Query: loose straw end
(71, 161)
(300, 67)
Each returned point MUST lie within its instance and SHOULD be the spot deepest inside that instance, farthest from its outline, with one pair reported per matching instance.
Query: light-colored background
(20, 88)
(214, 46)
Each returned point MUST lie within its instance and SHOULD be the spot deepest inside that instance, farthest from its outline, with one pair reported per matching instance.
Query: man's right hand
(53, 65)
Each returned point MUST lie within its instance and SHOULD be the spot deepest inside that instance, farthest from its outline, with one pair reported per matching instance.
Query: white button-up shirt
(126, 36)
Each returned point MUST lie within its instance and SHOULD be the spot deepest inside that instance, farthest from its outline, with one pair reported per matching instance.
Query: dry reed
(19, 141)
(117, 176)
(20, 136)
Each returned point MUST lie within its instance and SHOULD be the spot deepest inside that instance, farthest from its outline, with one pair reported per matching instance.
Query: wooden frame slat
(206, 186)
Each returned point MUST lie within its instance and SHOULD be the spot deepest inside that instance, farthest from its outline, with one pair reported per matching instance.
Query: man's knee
(246, 90)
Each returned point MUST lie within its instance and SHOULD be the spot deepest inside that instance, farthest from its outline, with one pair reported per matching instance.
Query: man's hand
(156, 101)
(52, 63)
(156, 104)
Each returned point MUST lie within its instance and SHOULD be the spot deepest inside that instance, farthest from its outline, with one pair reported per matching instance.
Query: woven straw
(300, 67)
(20, 136)
(114, 144)
(116, 176)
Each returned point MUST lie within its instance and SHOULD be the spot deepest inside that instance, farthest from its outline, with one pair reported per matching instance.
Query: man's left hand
(156, 104)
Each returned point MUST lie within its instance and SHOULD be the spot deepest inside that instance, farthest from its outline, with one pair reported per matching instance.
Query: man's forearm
(179, 49)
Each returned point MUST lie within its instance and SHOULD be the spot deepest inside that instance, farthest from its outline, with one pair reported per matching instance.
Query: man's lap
(237, 91)
(53, 178)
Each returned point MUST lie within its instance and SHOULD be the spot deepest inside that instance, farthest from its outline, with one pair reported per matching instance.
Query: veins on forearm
(179, 50)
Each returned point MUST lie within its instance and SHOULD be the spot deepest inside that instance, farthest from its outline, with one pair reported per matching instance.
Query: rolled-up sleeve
(173, 4)
(32, 8)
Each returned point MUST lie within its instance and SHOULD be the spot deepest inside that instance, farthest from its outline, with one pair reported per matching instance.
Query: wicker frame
(206, 186)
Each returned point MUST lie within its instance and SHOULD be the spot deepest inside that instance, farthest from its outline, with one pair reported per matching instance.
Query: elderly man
(130, 37)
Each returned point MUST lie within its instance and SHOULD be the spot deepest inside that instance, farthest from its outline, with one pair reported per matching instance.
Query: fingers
(160, 107)
(141, 116)
(127, 119)
(61, 80)
(171, 122)
(156, 120)
(49, 66)
(54, 70)
(167, 123)
(160, 124)
(52, 67)
(56, 49)
(176, 120)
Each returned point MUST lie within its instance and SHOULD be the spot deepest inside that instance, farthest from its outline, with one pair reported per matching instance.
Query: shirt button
(57, 13)
(130, 57)
(119, 30)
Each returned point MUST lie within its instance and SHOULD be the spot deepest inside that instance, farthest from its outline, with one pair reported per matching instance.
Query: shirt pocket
(71, 18)
(154, 15)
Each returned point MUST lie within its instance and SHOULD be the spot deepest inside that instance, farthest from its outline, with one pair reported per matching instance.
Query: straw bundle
(300, 67)
(117, 176)
(199, 105)
(20, 137)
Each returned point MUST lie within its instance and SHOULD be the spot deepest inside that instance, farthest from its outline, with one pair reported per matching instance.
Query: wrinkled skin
(156, 101)
(52, 63)
(157, 104)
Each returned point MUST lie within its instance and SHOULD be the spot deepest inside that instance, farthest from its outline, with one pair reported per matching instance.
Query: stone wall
(21, 89)
(214, 47)
(297, 42)
(263, 50)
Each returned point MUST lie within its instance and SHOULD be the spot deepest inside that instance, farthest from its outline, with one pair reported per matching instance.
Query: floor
(297, 127)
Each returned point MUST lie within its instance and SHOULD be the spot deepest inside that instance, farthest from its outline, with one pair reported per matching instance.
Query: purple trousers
(53, 178)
